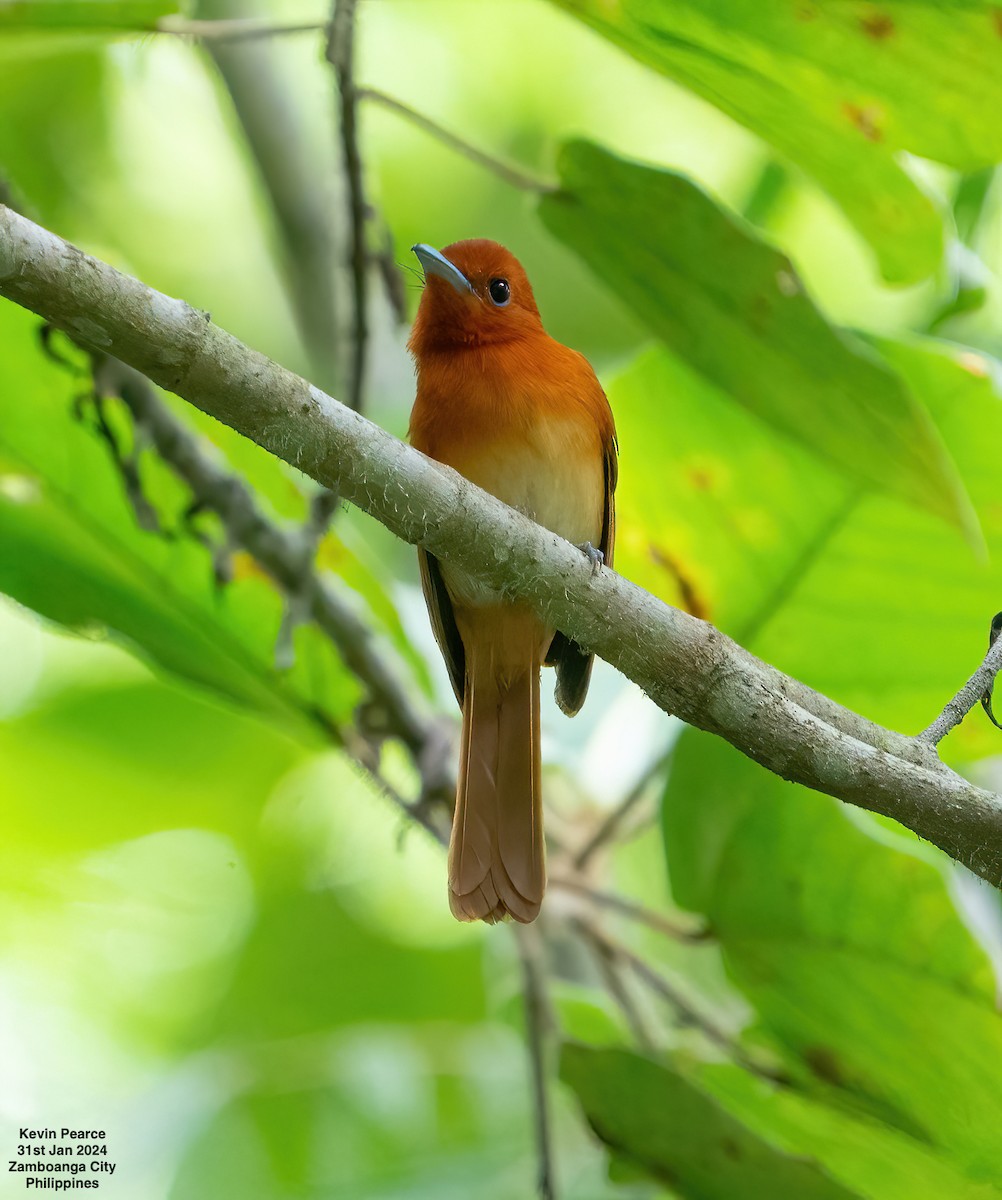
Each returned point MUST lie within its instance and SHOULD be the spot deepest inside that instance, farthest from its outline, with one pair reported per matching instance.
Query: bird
(523, 417)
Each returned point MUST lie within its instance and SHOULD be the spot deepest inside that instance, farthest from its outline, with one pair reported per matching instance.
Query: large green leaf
(891, 581)
(838, 88)
(716, 511)
(72, 550)
(722, 515)
(54, 125)
(716, 1131)
(157, 757)
(733, 308)
(844, 937)
(58, 15)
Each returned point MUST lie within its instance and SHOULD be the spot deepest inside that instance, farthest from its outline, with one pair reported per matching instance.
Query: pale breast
(553, 472)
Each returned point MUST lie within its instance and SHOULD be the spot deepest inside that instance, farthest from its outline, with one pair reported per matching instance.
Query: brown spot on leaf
(877, 25)
(825, 1063)
(866, 120)
(731, 1149)
(997, 20)
(700, 478)
(691, 599)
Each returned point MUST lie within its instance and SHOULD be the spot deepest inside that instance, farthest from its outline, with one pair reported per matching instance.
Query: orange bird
(523, 417)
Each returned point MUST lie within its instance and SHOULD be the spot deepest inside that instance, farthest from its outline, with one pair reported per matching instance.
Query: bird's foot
(595, 557)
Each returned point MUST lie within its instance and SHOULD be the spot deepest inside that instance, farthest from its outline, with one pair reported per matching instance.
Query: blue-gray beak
(437, 264)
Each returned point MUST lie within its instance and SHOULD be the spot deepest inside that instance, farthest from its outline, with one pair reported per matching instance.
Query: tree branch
(278, 550)
(341, 56)
(539, 1023)
(513, 176)
(978, 686)
(684, 664)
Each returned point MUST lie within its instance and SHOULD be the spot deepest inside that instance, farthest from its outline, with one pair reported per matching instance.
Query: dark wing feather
(443, 621)
(572, 664)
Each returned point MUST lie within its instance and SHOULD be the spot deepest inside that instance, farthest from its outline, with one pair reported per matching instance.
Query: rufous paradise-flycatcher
(523, 417)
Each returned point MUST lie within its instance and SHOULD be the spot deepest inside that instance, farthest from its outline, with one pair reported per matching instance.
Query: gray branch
(973, 690)
(685, 665)
(278, 550)
(341, 56)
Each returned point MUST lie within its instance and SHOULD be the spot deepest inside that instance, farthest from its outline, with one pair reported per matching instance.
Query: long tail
(496, 860)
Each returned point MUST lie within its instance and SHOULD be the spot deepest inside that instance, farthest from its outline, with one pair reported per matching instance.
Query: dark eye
(499, 292)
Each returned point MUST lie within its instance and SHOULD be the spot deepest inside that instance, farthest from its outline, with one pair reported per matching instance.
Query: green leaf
(890, 581)
(651, 1114)
(192, 762)
(838, 89)
(54, 140)
(717, 1131)
(733, 308)
(105, 15)
(74, 552)
(844, 937)
(729, 519)
(716, 511)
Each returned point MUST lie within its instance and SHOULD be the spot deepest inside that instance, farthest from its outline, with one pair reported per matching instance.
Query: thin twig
(628, 908)
(610, 826)
(609, 965)
(512, 175)
(539, 1021)
(237, 29)
(686, 1010)
(969, 695)
(323, 505)
(341, 56)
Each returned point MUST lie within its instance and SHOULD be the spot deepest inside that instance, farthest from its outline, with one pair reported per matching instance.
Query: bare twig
(539, 1021)
(630, 909)
(974, 689)
(514, 176)
(608, 829)
(685, 1009)
(323, 504)
(609, 966)
(341, 56)
(685, 665)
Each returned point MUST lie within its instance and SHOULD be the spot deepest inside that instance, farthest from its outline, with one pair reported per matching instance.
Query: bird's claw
(593, 555)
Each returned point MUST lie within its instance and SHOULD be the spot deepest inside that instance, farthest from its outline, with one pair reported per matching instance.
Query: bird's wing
(443, 621)
(572, 664)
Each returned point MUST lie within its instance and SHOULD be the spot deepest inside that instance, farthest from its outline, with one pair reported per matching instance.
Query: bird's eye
(499, 292)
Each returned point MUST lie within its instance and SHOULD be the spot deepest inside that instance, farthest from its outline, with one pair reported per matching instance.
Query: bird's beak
(435, 263)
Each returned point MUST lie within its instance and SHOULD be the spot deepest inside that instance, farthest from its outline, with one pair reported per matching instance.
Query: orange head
(476, 294)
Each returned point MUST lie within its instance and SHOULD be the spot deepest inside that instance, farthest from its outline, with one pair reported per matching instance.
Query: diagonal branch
(278, 550)
(684, 664)
(978, 687)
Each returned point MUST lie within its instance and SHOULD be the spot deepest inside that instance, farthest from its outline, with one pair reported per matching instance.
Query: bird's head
(476, 294)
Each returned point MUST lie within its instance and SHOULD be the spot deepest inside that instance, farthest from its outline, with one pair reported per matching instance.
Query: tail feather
(496, 860)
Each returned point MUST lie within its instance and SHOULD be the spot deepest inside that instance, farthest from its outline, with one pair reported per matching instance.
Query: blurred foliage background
(777, 233)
